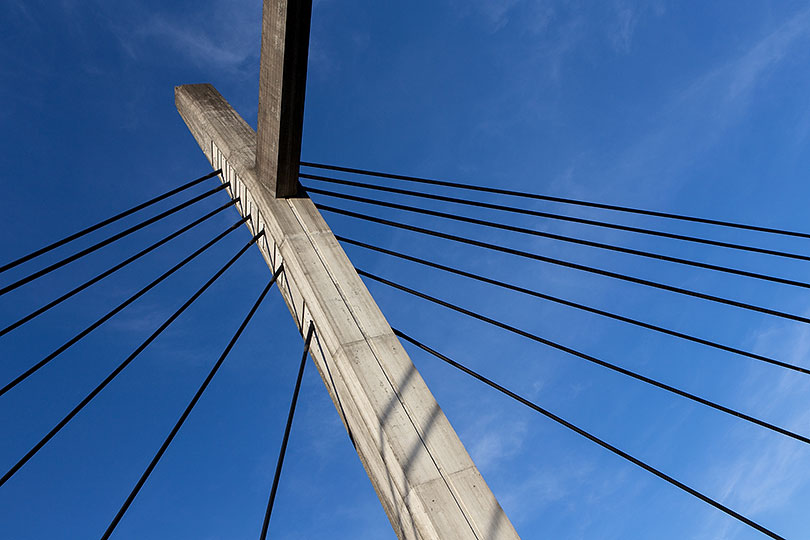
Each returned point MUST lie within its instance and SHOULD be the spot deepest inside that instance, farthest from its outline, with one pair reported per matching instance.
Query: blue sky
(693, 107)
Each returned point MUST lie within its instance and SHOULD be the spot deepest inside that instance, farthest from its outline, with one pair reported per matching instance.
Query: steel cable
(110, 240)
(589, 358)
(152, 464)
(559, 217)
(567, 264)
(115, 268)
(593, 438)
(89, 397)
(569, 239)
(564, 200)
(72, 341)
(575, 305)
(283, 451)
(105, 222)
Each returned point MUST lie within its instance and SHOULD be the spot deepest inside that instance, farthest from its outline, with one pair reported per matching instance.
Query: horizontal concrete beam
(424, 477)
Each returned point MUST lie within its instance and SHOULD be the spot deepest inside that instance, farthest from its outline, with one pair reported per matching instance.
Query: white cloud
(219, 34)
(202, 48)
(760, 474)
(496, 12)
(626, 20)
(495, 15)
(697, 116)
(627, 15)
(500, 440)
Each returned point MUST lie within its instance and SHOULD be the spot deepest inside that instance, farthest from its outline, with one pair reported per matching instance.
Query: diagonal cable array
(562, 200)
(563, 238)
(550, 215)
(372, 182)
(576, 305)
(95, 247)
(567, 264)
(170, 437)
(105, 222)
(452, 215)
(127, 361)
(91, 396)
(184, 262)
(120, 307)
(286, 438)
(615, 450)
(587, 357)
(115, 268)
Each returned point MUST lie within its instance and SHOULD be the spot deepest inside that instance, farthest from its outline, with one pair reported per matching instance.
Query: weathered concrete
(282, 86)
(424, 477)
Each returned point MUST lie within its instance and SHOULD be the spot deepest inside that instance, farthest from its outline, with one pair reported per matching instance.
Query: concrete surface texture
(427, 483)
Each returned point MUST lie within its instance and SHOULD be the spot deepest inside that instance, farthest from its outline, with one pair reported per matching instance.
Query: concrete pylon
(425, 479)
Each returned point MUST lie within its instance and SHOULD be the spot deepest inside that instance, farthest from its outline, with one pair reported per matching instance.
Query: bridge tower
(427, 483)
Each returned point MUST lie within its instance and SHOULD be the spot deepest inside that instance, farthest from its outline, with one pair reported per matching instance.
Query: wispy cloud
(497, 441)
(218, 34)
(626, 15)
(220, 50)
(760, 474)
(699, 114)
(761, 477)
(22, 10)
(625, 25)
(495, 13)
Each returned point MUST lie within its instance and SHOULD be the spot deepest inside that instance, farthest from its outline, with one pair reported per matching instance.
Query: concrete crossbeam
(427, 483)
(282, 86)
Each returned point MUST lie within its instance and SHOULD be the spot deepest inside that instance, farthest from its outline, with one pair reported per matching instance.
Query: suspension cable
(106, 222)
(559, 217)
(89, 397)
(589, 358)
(110, 240)
(564, 200)
(569, 239)
(72, 341)
(593, 438)
(115, 268)
(575, 305)
(145, 476)
(567, 264)
(282, 452)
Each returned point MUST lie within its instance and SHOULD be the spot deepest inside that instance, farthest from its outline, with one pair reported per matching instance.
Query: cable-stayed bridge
(426, 481)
